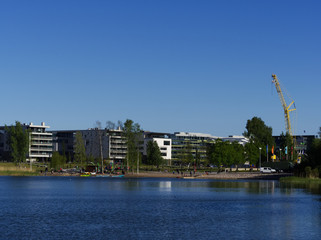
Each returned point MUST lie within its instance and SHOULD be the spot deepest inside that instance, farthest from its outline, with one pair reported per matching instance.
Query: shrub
(315, 173)
(307, 171)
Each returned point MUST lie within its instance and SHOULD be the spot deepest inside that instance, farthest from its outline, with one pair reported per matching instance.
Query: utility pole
(260, 158)
(137, 160)
(101, 153)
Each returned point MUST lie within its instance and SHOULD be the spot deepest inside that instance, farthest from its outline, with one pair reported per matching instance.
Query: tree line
(218, 152)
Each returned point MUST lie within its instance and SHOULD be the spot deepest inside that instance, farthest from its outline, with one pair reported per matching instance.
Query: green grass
(12, 169)
(18, 173)
(300, 180)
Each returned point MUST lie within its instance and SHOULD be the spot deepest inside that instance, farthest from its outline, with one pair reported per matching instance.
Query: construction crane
(287, 108)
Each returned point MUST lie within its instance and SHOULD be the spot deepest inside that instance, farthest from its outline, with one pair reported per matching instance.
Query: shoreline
(212, 175)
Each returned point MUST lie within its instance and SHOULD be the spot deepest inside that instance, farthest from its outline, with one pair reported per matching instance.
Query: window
(167, 143)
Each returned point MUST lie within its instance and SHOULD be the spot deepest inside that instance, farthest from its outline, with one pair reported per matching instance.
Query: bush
(315, 173)
(307, 171)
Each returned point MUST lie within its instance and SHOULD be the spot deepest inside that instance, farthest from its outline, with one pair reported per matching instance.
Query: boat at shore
(86, 174)
(109, 175)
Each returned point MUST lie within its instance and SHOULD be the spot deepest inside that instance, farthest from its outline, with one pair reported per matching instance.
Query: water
(109, 208)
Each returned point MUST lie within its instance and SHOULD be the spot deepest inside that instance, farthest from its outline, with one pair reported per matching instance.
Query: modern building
(117, 146)
(108, 142)
(40, 142)
(164, 143)
(239, 139)
(195, 143)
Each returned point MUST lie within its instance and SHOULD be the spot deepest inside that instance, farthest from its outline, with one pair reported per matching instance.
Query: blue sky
(176, 65)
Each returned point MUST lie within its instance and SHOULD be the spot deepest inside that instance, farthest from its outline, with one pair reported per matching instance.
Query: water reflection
(311, 187)
(165, 186)
(105, 208)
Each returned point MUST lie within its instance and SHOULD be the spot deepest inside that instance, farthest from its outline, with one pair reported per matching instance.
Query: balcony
(37, 149)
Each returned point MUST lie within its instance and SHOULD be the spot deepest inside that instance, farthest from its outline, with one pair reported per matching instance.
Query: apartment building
(239, 139)
(164, 143)
(195, 143)
(108, 142)
(40, 142)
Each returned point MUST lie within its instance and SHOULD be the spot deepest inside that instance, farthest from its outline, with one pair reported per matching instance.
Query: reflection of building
(194, 143)
(40, 142)
(164, 143)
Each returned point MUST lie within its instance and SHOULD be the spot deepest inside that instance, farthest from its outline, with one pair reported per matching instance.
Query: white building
(164, 143)
(240, 139)
(40, 142)
(194, 143)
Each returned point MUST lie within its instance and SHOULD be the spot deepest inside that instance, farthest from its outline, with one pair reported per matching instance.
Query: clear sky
(170, 65)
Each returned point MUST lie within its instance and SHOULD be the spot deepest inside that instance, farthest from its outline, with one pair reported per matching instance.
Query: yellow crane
(287, 108)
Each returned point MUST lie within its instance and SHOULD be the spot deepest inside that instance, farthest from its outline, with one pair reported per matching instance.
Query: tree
(154, 156)
(133, 134)
(57, 160)
(252, 153)
(18, 141)
(238, 154)
(189, 154)
(259, 134)
(99, 134)
(110, 125)
(286, 142)
(80, 150)
(314, 154)
(218, 153)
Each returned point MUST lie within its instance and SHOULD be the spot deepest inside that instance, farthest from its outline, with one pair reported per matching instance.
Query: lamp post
(260, 158)
(280, 154)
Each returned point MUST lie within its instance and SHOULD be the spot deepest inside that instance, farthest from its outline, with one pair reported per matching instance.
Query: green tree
(239, 154)
(189, 154)
(57, 160)
(133, 135)
(154, 156)
(80, 150)
(259, 134)
(314, 153)
(18, 142)
(219, 153)
(197, 158)
(252, 153)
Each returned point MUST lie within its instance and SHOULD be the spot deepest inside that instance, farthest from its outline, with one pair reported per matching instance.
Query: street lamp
(280, 154)
(260, 158)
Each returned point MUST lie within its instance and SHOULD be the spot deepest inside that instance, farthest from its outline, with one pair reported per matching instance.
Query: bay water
(157, 208)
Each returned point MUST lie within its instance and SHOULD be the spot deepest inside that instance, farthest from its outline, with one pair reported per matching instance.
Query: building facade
(40, 142)
(164, 143)
(108, 144)
(239, 139)
(184, 143)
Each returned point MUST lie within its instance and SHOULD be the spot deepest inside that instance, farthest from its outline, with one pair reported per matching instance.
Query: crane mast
(287, 108)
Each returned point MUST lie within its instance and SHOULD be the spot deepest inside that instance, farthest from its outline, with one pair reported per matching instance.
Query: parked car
(267, 170)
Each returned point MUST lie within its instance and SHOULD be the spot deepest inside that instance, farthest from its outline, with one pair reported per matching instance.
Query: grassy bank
(18, 173)
(300, 180)
(11, 169)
